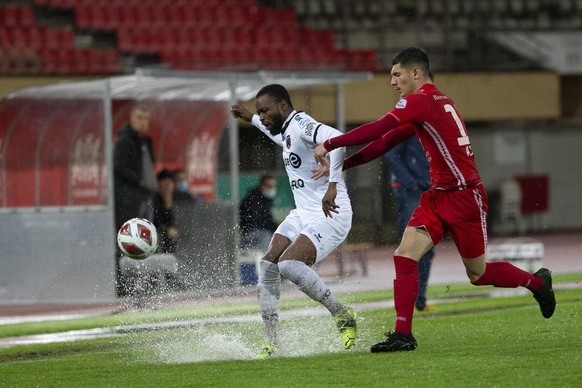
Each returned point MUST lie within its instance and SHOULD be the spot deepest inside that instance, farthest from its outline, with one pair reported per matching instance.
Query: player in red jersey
(456, 202)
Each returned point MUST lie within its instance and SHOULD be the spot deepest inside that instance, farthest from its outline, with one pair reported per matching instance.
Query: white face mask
(270, 193)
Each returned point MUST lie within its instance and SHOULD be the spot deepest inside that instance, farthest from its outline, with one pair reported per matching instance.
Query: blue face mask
(182, 187)
(270, 193)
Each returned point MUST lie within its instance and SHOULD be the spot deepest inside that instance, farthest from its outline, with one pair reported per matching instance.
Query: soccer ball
(137, 238)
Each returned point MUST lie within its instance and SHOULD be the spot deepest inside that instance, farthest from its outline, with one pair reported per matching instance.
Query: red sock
(504, 274)
(405, 292)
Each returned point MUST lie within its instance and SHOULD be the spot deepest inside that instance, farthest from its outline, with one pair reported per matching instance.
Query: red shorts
(462, 212)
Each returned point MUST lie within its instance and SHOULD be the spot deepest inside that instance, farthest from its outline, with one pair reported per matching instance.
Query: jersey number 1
(463, 140)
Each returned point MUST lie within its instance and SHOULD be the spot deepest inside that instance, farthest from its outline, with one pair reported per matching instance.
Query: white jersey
(301, 135)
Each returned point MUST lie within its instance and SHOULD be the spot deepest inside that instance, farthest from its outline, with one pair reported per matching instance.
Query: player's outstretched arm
(240, 111)
(379, 146)
(364, 133)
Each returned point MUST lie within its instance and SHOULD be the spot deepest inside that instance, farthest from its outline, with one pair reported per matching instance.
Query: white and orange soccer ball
(137, 238)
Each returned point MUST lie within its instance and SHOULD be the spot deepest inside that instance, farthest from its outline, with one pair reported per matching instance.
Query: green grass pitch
(472, 340)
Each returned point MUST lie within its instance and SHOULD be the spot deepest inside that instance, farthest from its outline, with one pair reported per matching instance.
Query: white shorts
(325, 233)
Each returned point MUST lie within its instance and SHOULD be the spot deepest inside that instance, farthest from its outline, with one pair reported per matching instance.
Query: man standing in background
(133, 170)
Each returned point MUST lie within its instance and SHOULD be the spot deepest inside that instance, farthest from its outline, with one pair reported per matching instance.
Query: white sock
(310, 283)
(269, 284)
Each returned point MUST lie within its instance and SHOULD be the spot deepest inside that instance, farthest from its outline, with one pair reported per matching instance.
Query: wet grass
(217, 307)
(474, 341)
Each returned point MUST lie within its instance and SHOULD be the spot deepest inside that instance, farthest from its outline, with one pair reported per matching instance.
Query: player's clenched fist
(241, 112)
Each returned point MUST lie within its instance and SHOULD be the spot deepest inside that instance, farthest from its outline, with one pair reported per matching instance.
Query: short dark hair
(165, 174)
(278, 92)
(413, 56)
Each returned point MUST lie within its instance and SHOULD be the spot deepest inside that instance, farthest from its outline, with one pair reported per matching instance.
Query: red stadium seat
(91, 61)
(9, 16)
(36, 37)
(83, 17)
(98, 17)
(26, 16)
(196, 34)
(127, 16)
(65, 60)
(364, 60)
(176, 16)
(50, 60)
(111, 62)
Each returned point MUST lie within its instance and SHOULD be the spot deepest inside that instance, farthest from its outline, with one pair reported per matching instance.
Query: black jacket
(255, 212)
(164, 219)
(127, 170)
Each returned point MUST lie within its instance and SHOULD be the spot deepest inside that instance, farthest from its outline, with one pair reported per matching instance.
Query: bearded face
(271, 113)
(277, 124)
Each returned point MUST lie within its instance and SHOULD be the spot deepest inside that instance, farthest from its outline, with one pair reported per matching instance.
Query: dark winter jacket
(255, 212)
(127, 170)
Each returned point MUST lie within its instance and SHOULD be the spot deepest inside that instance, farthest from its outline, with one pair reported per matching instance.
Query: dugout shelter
(56, 184)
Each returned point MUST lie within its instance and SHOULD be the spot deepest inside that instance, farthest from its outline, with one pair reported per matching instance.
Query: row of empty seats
(36, 37)
(186, 34)
(28, 61)
(28, 48)
(20, 61)
(434, 8)
(158, 39)
(207, 35)
(269, 59)
(413, 14)
(112, 17)
(80, 61)
(17, 16)
(69, 4)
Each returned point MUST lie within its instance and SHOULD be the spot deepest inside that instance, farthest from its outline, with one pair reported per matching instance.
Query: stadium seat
(36, 37)
(133, 17)
(197, 34)
(510, 207)
(83, 17)
(9, 16)
(111, 62)
(364, 60)
(20, 61)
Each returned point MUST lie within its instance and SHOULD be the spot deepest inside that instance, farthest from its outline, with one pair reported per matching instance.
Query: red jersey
(443, 136)
(439, 128)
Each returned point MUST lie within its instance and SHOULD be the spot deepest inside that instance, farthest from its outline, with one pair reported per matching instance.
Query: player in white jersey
(307, 235)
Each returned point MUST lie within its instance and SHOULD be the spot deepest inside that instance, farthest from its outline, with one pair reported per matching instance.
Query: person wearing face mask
(256, 219)
(181, 192)
(164, 218)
